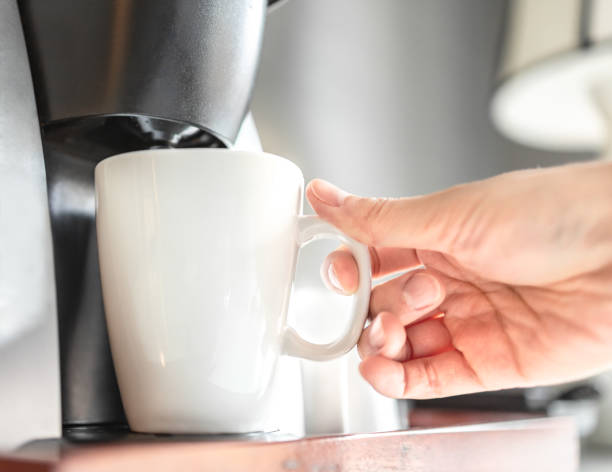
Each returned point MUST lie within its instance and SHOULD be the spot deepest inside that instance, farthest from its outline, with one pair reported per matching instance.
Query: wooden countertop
(440, 440)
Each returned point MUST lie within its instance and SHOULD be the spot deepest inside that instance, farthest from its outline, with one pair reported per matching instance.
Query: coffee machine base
(440, 440)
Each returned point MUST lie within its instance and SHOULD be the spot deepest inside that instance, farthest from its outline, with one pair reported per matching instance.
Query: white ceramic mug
(198, 250)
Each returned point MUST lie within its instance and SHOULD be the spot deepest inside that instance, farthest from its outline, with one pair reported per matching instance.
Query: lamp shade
(555, 70)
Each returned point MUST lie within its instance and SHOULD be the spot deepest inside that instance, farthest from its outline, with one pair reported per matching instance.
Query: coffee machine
(81, 81)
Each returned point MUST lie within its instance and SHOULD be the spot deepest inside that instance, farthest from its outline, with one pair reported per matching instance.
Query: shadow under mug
(198, 250)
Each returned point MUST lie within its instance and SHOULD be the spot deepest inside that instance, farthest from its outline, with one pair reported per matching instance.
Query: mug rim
(130, 154)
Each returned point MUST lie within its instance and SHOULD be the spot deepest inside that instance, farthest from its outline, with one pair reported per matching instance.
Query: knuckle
(422, 379)
(379, 301)
(371, 220)
(432, 380)
(470, 225)
(363, 346)
(360, 349)
(374, 260)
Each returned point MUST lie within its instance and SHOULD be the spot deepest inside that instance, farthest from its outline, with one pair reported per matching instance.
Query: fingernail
(333, 278)
(421, 291)
(328, 193)
(377, 334)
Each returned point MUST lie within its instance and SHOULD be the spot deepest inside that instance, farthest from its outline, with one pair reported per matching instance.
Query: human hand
(509, 281)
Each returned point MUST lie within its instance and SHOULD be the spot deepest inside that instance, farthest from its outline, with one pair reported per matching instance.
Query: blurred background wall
(386, 97)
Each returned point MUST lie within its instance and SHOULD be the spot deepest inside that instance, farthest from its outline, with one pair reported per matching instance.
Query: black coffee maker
(113, 76)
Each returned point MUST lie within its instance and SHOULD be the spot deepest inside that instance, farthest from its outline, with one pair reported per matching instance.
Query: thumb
(424, 222)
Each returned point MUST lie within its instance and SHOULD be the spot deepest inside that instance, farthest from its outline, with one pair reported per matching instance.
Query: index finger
(339, 270)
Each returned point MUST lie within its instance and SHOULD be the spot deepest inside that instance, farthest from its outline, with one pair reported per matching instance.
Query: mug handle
(311, 228)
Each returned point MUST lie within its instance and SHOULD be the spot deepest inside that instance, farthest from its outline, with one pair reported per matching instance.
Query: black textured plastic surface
(192, 61)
